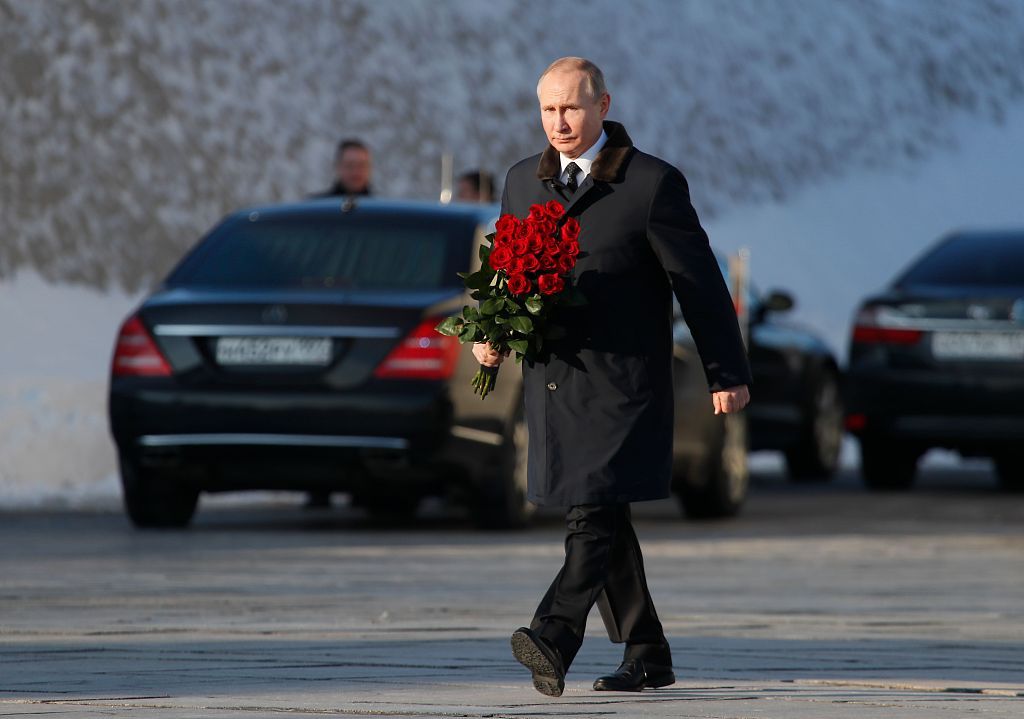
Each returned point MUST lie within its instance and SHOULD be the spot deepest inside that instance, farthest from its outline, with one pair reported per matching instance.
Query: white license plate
(315, 351)
(978, 345)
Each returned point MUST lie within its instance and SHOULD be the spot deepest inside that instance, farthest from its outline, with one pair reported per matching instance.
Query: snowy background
(836, 140)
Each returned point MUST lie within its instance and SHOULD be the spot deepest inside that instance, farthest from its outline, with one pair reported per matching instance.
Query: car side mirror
(778, 301)
(774, 301)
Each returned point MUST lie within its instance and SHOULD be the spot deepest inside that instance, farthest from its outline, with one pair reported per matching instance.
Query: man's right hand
(487, 355)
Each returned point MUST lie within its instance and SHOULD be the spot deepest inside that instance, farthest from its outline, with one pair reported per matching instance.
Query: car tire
(720, 486)
(154, 499)
(886, 465)
(1010, 471)
(816, 456)
(501, 498)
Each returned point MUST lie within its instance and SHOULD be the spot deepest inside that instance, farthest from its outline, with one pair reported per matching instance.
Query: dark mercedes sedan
(937, 360)
(293, 348)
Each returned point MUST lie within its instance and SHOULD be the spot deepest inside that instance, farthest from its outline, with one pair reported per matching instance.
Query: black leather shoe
(541, 659)
(634, 675)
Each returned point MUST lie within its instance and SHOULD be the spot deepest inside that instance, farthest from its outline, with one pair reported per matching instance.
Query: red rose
(566, 263)
(550, 284)
(530, 263)
(521, 231)
(500, 257)
(546, 227)
(571, 230)
(521, 245)
(537, 213)
(551, 247)
(517, 266)
(548, 261)
(518, 284)
(570, 248)
(536, 243)
(554, 209)
(506, 223)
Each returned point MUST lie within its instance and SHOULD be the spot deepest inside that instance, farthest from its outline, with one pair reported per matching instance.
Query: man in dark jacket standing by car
(353, 168)
(599, 407)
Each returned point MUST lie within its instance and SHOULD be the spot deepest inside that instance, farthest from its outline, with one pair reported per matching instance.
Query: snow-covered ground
(830, 245)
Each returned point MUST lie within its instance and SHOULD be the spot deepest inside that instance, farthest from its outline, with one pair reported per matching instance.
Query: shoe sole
(545, 677)
(656, 683)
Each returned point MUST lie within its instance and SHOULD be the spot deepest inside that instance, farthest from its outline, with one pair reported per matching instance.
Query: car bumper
(411, 433)
(948, 409)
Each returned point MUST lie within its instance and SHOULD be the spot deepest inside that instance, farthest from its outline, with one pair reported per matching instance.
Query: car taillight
(856, 422)
(136, 354)
(886, 335)
(880, 325)
(423, 354)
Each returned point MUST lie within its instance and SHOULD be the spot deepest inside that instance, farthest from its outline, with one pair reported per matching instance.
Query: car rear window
(977, 259)
(337, 252)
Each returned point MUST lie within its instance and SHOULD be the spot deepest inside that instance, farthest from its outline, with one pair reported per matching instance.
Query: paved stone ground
(818, 602)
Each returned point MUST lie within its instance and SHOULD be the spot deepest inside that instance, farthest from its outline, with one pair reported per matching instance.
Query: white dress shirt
(584, 161)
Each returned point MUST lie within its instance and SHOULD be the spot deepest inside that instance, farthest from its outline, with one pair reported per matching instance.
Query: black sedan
(937, 360)
(796, 408)
(293, 348)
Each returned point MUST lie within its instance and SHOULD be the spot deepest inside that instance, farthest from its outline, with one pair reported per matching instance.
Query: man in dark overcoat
(599, 405)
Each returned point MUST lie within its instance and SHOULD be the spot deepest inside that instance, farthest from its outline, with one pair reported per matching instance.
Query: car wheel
(886, 465)
(816, 457)
(719, 485)
(1010, 471)
(501, 499)
(155, 499)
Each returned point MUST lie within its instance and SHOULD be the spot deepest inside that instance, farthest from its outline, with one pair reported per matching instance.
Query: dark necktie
(570, 184)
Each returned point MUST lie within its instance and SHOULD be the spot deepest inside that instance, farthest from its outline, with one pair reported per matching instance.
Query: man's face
(571, 117)
(467, 192)
(353, 168)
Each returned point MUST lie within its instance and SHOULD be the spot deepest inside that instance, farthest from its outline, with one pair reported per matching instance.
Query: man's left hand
(731, 399)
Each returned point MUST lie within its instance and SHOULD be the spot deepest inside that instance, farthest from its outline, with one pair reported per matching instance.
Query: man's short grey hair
(595, 78)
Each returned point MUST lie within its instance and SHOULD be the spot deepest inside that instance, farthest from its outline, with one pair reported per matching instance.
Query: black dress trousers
(603, 565)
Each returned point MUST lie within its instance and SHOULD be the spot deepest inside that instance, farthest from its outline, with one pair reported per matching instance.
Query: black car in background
(796, 408)
(937, 360)
(293, 348)
(798, 389)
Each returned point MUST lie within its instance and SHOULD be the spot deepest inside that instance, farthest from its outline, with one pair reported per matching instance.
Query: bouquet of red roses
(524, 274)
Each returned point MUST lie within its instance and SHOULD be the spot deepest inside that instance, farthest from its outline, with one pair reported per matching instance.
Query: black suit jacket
(599, 406)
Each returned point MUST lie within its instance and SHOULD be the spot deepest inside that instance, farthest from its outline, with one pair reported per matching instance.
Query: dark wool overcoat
(599, 405)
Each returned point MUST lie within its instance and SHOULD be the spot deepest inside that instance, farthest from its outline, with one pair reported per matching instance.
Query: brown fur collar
(607, 166)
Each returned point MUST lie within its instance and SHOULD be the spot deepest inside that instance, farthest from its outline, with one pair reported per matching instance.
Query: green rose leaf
(534, 305)
(472, 314)
(479, 279)
(485, 252)
(520, 346)
(492, 306)
(523, 325)
(469, 332)
(450, 326)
